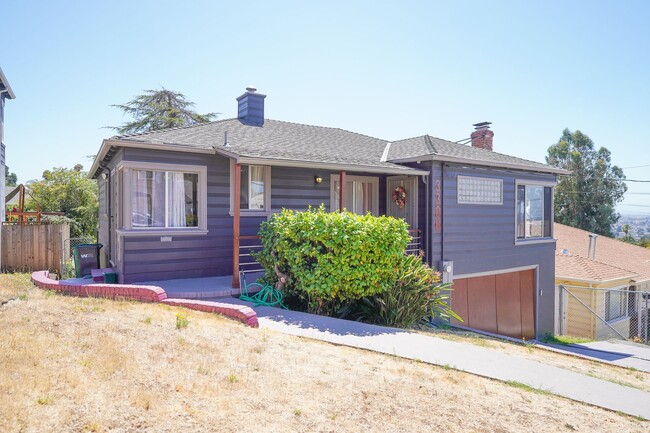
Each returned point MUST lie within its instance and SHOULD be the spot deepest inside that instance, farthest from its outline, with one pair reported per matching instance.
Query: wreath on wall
(399, 196)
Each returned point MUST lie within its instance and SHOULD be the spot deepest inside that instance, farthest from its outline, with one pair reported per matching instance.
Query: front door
(399, 206)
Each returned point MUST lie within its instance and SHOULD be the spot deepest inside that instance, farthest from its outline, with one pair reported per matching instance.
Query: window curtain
(256, 187)
(176, 199)
(139, 199)
(148, 199)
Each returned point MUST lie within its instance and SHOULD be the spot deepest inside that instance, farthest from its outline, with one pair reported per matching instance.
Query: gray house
(5, 93)
(184, 202)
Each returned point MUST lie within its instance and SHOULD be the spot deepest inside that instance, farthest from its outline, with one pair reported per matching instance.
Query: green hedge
(332, 258)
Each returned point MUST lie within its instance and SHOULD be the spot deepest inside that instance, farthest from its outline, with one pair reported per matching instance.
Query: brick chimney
(482, 136)
(250, 108)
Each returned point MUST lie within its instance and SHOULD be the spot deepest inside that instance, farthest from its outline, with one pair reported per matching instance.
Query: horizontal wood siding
(296, 189)
(481, 238)
(149, 259)
(146, 258)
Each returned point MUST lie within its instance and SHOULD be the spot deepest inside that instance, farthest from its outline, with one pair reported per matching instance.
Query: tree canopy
(160, 109)
(586, 198)
(10, 178)
(71, 192)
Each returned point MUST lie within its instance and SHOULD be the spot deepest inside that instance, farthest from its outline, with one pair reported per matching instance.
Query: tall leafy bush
(332, 258)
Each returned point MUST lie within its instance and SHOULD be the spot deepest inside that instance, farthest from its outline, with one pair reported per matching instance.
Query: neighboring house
(600, 285)
(5, 93)
(179, 203)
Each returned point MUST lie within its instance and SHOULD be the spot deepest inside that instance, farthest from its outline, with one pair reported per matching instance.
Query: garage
(502, 303)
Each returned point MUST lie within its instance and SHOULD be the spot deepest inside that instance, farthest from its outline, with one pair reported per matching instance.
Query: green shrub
(416, 296)
(331, 258)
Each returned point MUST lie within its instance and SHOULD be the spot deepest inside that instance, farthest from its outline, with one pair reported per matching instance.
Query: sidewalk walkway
(461, 356)
(616, 352)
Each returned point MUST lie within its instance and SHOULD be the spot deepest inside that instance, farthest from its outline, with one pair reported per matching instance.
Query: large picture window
(164, 199)
(534, 211)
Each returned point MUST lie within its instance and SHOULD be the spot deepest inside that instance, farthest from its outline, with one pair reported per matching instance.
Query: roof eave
(453, 159)
(628, 278)
(330, 166)
(108, 143)
(7, 89)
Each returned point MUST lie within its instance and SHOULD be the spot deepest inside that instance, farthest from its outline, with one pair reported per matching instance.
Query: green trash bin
(86, 258)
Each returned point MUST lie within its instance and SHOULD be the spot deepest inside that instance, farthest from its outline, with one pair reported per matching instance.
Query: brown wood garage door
(502, 304)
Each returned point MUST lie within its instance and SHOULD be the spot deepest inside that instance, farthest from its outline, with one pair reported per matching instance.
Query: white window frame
(625, 305)
(125, 170)
(528, 241)
(267, 191)
(368, 179)
(483, 203)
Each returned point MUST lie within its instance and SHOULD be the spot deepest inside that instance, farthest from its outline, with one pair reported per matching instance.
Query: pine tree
(160, 109)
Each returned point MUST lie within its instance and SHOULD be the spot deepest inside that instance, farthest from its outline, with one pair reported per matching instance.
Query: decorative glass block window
(480, 190)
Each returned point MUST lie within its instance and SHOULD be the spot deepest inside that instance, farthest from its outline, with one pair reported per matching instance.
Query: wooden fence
(34, 247)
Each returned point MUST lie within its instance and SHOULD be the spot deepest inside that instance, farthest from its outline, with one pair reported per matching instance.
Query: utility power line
(635, 166)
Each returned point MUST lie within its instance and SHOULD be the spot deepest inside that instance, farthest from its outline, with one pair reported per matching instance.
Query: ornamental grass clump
(331, 258)
(416, 297)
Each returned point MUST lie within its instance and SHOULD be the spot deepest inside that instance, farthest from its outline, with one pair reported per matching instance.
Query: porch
(357, 193)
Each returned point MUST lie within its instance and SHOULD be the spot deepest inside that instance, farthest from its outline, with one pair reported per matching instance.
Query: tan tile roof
(581, 268)
(609, 252)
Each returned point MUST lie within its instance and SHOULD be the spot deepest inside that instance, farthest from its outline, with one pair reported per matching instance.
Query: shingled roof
(574, 267)
(252, 139)
(278, 140)
(429, 147)
(613, 252)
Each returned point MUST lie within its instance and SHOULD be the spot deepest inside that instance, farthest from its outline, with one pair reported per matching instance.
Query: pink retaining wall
(240, 312)
(135, 292)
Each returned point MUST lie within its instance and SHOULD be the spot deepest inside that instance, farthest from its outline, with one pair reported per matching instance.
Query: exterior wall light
(318, 180)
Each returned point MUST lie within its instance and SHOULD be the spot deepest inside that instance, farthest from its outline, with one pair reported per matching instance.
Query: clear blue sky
(387, 69)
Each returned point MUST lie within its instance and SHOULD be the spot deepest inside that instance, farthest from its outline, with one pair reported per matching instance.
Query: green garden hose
(269, 296)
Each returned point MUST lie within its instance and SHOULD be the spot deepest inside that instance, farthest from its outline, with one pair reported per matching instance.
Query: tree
(10, 178)
(71, 192)
(160, 109)
(627, 237)
(586, 198)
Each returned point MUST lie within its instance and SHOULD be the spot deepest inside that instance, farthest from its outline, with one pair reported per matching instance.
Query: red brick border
(141, 293)
(242, 313)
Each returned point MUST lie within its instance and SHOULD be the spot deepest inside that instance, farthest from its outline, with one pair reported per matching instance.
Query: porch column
(235, 227)
(342, 191)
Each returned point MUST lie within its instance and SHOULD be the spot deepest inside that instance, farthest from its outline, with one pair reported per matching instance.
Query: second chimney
(591, 253)
(482, 136)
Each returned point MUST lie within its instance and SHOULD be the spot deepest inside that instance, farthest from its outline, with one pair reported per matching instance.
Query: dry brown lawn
(73, 364)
